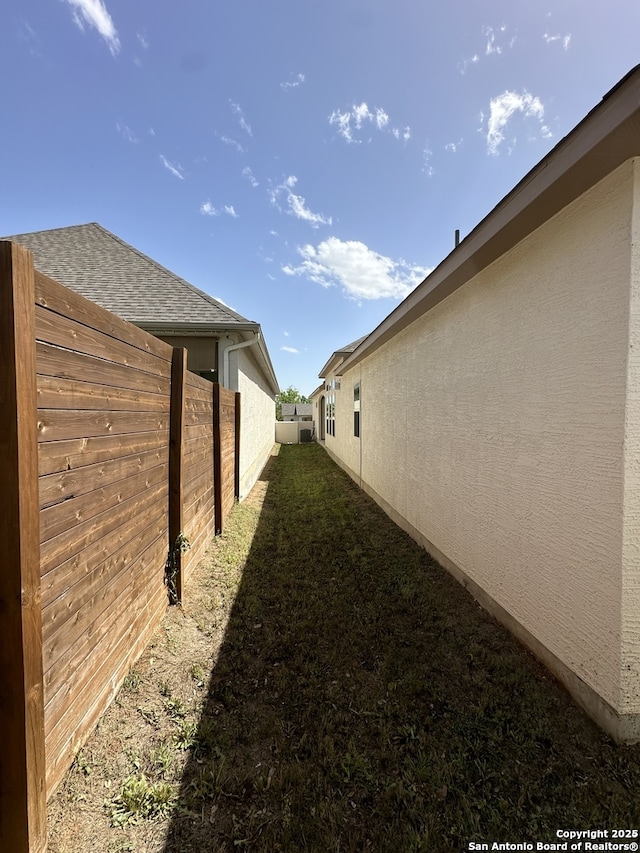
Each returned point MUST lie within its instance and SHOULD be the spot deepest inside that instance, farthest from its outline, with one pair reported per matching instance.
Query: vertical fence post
(23, 797)
(176, 473)
(217, 460)
(236, 461)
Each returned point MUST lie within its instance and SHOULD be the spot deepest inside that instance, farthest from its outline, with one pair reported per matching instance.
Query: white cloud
(27, 34)
(462, 66)
(296, 204)
(358, 116)
(359, 271)
(403, 134)
(175, 168)
(95, 14)
(207, 209)
(293, 84)
(286, 334)
(144, 42)
(503, 107)
(495, 42)
(492, 36)
(564, 39)
(232, 142)
(290, 349)
(248, 174)
(427, 168)
(126, 132)
(453, 146)
(242, 121)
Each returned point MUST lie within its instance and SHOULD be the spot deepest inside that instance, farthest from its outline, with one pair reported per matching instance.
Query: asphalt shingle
(100, 266)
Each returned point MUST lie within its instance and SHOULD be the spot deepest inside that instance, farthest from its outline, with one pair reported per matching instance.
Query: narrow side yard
(328, 687)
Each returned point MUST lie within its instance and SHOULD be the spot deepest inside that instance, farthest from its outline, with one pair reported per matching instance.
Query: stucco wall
(344, 444)
(630, 672)
(495, 425)
(258, 415)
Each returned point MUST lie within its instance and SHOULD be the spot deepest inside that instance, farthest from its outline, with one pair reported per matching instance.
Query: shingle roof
(339, 355)
(352, 346)
(102, 267)
(290, 410)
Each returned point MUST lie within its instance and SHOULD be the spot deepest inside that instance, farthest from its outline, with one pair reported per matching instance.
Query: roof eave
(189, 329)
(214, 330)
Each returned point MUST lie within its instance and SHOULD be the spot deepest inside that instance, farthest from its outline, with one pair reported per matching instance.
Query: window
(356, 410)
(331, 414)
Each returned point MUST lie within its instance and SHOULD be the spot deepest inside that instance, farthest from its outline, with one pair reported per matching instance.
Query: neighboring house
(297, 412)
(499, 411)
(323, 398)
(222, 345)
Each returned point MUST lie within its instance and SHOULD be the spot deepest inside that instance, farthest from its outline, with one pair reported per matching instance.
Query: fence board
(58, 487)
(78, 538)
(55, 519)
(115, 605)
(85, 590)
(68, 333)
(56, 393)
(58, 424)
(23, 817)
(66, 364)
(120, 539)
(224, 443)
(176, 473)
(74, 453)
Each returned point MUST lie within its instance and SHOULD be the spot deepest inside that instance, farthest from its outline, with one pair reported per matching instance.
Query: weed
(82, 763)
(132, 681)
(185, 737)
(198, 674)
(162, 758)
(139, 799)
(180, 546)
(151, 716)
(175, 708)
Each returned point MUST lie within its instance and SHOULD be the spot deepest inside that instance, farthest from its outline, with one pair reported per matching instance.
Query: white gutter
(225, 356)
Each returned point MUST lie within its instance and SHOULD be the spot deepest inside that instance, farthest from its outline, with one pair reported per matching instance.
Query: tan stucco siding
(495, 425)
(344, 444)
(630, 674)
(258, 415)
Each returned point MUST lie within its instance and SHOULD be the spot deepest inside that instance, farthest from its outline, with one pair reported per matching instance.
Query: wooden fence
(110, 453)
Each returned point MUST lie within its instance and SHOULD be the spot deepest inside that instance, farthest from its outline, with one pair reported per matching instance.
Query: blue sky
(305, 162)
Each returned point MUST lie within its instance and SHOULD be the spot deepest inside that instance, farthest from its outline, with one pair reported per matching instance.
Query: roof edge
(608, 136)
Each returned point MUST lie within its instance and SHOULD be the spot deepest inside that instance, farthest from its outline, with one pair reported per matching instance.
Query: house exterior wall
(498, 429)
(258, 414)
(630, 670)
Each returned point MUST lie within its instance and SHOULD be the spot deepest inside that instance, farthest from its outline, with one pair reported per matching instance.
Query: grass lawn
(328, 687)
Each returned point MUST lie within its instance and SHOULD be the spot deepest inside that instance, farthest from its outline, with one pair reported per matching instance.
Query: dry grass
(328, 687)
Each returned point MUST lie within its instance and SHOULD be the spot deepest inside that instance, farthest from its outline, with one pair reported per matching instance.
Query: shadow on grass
(363, 701)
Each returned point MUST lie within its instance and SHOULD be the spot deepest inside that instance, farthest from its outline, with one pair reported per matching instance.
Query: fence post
(176, 473)
(217, 460)
(236, 461)
(23, 796)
